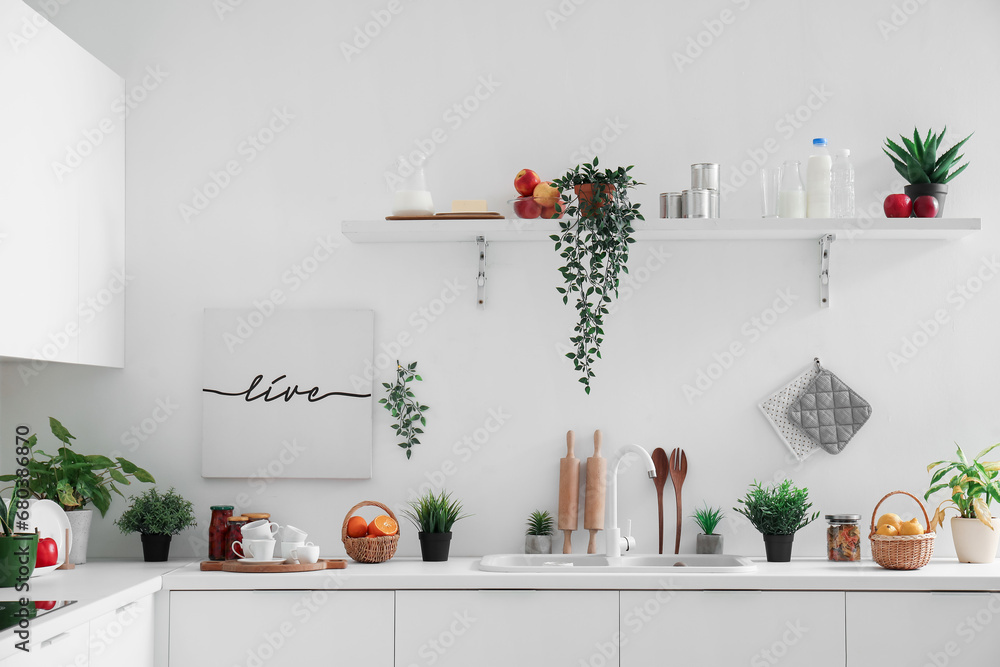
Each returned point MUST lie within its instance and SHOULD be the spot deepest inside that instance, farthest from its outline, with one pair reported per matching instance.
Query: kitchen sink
(599, 563)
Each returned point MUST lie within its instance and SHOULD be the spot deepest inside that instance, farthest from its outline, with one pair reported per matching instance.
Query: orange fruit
(382, 525)
(887, 529)
(891, 519)
(357, 527)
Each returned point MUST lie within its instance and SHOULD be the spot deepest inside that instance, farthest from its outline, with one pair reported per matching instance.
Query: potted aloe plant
(538, 536)
(778, 512)
(433, 516)
(157, 517)
(708, 518)
(593, 242)
(973, 485)
(923, 169)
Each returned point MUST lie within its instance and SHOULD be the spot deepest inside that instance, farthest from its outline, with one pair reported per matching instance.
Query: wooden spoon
(662, 473)
(678, 471)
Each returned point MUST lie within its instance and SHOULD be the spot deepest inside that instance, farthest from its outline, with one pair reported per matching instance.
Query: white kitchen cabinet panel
(301, 627)
(123, 637)
(505, 628)
(936, 629)
(65, 649)
(754, 628)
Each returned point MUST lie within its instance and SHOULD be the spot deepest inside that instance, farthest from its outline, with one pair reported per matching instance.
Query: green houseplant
(708, 518)
(538, 536)
(17, 550)
(433, 516)
(75, 480)
(593, 242)
(777, 512)
(404, 407)
(918, 162)
(973, 485)
(157, 517)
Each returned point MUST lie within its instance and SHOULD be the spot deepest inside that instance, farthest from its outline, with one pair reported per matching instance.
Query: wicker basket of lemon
(898, 544)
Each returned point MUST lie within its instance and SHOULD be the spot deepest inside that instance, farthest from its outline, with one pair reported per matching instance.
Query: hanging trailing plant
(404, 407)
(594, 243)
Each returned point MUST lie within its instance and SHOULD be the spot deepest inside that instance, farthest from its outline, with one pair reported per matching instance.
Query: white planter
(974, 542)
(79, 523)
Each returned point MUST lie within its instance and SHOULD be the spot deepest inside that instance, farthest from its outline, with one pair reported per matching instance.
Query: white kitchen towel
(775, 408)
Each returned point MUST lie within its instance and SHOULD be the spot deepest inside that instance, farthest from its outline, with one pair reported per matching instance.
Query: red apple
(897, 206)
(48, 552)
(526, 208)
(546, 194)
(525, 182)
(925, 206)
(45, 605)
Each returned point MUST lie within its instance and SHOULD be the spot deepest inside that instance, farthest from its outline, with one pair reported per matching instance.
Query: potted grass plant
(157, 517)
(918, 162)
(433, 516)
(973, 486)
(777, 512)
(708, 518)
(538, 537)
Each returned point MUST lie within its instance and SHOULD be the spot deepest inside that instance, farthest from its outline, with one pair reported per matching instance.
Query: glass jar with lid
(235, 534)
(218, 531)
(843, 537)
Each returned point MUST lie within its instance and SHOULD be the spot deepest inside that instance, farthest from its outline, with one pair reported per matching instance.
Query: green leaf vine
(404, 407)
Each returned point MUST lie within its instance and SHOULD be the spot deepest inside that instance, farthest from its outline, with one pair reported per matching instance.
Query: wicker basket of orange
(370, 542)
(901, 545)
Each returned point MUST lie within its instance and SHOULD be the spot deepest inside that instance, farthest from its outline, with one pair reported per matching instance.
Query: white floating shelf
(682, 229)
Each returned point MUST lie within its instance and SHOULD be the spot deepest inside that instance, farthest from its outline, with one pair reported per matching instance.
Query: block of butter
(468, 205)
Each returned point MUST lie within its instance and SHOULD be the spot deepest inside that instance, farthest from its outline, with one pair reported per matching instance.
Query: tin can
(696, 203)
(670, 205)
(713, 203)
(705, 176)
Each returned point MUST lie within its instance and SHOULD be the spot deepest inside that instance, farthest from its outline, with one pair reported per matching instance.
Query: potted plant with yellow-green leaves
(973, 486)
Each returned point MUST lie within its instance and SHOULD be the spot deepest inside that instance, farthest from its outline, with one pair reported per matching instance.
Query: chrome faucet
(615, 542)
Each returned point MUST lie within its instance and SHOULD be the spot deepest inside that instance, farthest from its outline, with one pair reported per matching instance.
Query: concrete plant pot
(709, 544)
(974, 541)
(537, 544)
(79, 524)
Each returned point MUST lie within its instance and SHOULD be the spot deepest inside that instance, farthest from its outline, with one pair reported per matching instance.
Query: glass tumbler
(769, 180)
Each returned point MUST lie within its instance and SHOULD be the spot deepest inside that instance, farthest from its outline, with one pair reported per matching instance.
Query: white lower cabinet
(256, 628)
(724, 628)
(65, 649)
(123, 637)
(932, 629)
(506, 628)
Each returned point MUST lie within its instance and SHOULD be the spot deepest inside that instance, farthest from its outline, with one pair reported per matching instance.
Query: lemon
(887, 529)
(891, 519)
(911, 527)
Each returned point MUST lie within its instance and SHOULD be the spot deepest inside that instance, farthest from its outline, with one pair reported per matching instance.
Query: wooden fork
(678, 470)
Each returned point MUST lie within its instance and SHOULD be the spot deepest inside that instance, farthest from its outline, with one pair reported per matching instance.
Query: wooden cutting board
(467, 215)
(256, 568)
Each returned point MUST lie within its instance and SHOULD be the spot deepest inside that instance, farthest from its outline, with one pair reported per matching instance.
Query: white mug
(292, 534)
(261, 529)
(255, 549)
(286, 549)
(306, 553)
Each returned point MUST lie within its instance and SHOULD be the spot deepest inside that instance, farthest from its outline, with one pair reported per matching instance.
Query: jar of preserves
(843, 537)
(257, 516)
(234, 534)
(218, 530)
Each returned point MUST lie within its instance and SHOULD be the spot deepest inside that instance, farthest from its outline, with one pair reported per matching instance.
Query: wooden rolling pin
(569, 494)
(597, 480)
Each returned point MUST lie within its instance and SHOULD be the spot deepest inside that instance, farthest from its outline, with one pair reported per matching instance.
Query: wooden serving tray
(467, 215)
(255, 568)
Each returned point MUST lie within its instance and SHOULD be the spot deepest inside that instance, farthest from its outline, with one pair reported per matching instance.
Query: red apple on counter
(897, 206)
(527, 208)
(925, 206)
(48, 552)
(525, 182)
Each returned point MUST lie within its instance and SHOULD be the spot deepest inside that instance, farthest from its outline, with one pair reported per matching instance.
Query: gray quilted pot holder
(829, 412)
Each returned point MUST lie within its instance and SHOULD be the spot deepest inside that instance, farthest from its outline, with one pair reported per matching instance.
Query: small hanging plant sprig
(593, 242)
(404, 407)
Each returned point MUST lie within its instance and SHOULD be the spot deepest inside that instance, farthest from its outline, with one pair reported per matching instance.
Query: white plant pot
(79, 523)
(974, 542)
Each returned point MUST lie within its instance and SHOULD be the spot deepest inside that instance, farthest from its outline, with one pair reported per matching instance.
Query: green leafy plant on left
(404, 407)
(72, 479)
(153, 513)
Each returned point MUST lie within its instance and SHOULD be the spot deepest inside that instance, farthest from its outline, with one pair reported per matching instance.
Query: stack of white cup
(258, 540)
(295, 548)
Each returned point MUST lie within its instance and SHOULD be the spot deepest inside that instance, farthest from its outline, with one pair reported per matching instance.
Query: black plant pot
(155, 547)
(434, 546)
(778, 548)
(937, 190)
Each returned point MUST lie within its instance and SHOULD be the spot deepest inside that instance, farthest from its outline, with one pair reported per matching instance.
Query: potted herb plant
(157, 517)
(708, 518)
(593, 242)
(74, 480)
(973, 486)
(17, 550)
(777, 512)
(433, 516)
(538, 537)
(919, 164)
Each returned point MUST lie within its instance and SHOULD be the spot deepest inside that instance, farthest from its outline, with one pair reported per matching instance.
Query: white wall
(558, 88)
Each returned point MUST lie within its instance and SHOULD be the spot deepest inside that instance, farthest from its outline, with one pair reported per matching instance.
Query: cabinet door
(64, 649)
(281, 628)
(755, 628)
(123, 637)
(954, 629)
(505, 628)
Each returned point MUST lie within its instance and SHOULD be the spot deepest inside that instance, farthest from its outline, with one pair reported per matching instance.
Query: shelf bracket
(825, 243)
(481, 278)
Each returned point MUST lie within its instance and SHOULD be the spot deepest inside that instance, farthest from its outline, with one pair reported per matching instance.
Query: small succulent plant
(918, 161)
(539, 523)
(708, 518)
